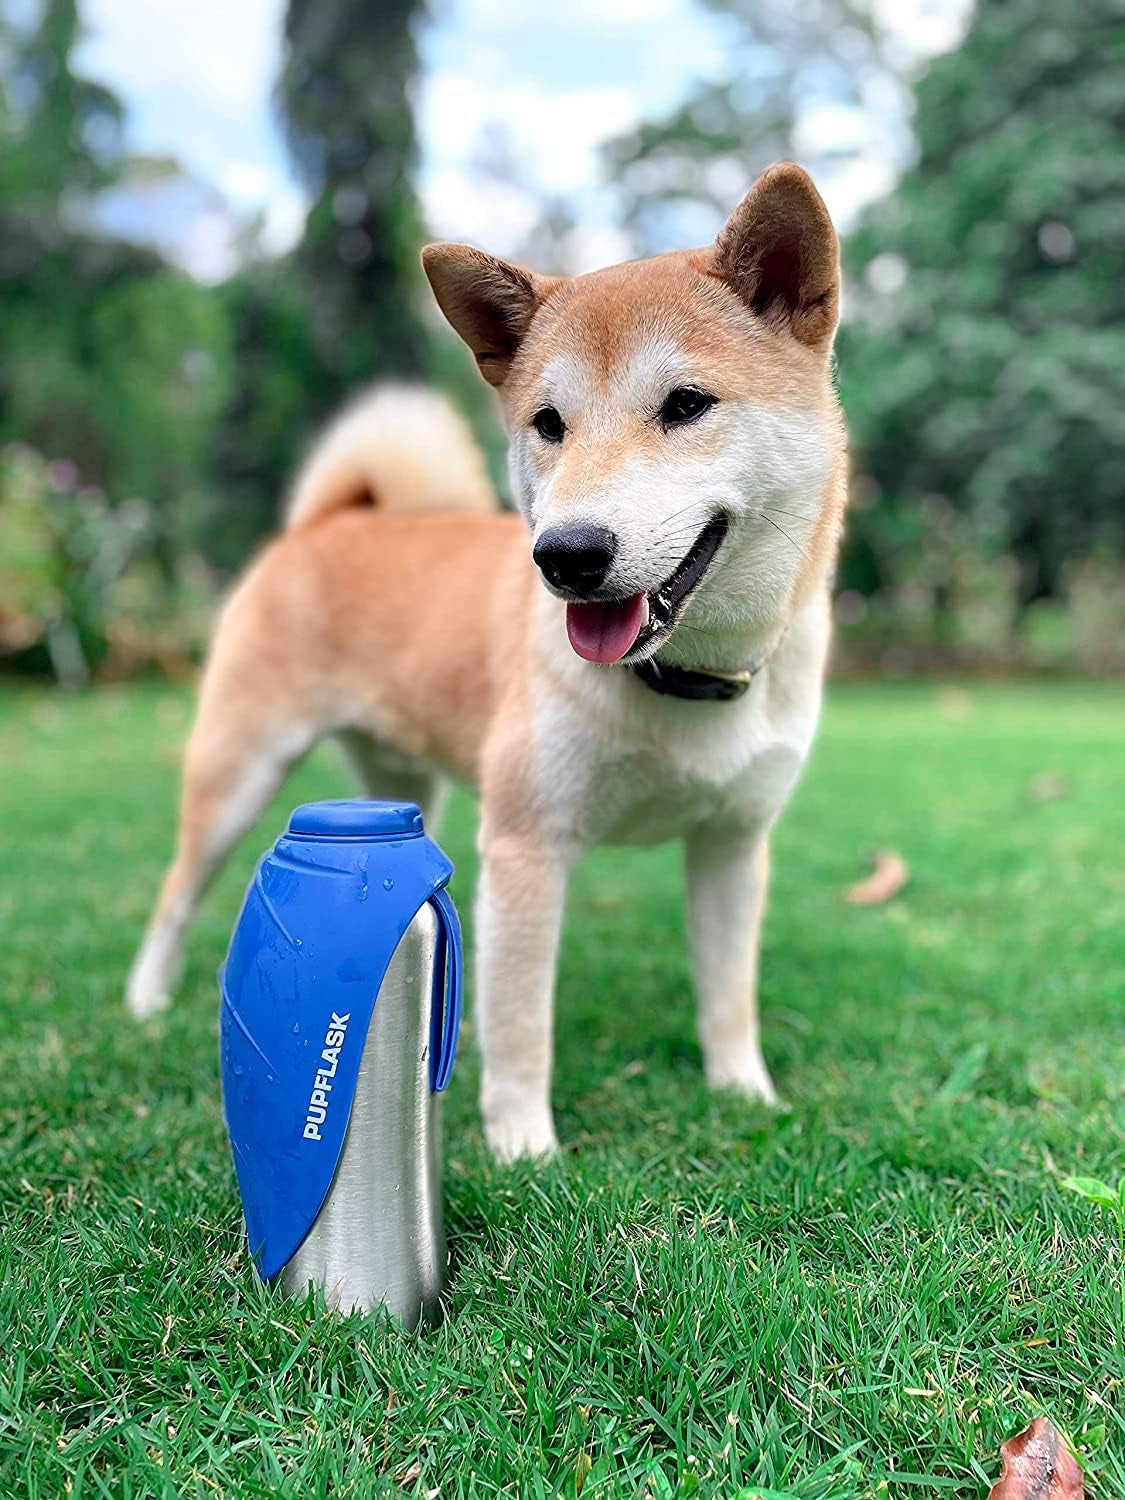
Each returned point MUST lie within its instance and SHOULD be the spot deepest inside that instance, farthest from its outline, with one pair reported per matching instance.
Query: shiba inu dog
(636, 656)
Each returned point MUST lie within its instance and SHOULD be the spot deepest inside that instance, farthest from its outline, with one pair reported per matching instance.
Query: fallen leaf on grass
(886, 880)
(1048, 786)
(955, 705)
(582, 1466)
(1038, 1466)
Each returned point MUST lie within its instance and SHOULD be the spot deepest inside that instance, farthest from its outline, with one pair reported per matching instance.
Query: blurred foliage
(151, 424)
(62, 552)
(347, 116)
(982, 357)
(112, 361)
(680, 176)
(82, 591)
(265, 425)
(62, 133)
(983, 360)
(126, 374)
(344, 306)
(349, 303)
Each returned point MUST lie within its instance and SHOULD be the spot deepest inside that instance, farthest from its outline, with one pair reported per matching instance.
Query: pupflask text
(340, 1007)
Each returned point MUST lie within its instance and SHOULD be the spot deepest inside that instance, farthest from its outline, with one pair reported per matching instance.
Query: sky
(196, 77)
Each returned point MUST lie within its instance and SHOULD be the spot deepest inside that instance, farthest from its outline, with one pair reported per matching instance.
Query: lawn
(862, 1295)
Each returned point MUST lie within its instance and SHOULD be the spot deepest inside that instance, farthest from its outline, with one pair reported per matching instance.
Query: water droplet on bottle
(296, 1028)
(388, 884)
(363, 891)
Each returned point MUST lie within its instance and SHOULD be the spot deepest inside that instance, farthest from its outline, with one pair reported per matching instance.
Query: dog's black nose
(576, 557)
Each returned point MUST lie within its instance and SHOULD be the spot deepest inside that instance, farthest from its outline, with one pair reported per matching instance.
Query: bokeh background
(210, 217)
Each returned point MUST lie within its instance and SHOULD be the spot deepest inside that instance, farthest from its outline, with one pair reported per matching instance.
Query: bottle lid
(356, 819)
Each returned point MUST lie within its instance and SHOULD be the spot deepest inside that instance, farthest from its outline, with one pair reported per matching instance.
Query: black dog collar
(700, 685)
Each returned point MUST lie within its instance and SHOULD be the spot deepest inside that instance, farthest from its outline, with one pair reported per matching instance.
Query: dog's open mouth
(607, 630)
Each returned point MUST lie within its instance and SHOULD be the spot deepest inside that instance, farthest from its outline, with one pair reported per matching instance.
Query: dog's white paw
(144, 1000)
(512, 1134)
(148, 989)
(745, 1073)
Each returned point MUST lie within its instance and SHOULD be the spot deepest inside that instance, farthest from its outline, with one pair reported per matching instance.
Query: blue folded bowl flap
(319, 926)
(445, 1011)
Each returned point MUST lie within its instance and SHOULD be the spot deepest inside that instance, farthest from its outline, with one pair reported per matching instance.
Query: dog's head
(674, 428)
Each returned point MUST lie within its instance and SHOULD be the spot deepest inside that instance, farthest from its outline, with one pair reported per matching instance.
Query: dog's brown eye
(549, 425)
(685, 404)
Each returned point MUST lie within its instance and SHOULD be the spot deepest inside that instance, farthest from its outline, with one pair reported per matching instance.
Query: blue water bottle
(341, 1001)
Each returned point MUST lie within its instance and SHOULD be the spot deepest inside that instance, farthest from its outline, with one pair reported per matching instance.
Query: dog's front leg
(519, 918)
(726, 881)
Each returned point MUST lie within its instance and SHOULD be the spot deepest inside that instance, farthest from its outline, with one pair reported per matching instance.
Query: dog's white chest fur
(624, 765)
(648, 800)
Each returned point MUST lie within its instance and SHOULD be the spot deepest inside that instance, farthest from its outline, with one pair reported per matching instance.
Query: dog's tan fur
(400, 612)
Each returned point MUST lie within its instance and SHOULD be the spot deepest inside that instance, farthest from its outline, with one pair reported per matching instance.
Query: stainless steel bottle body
(379, 1239)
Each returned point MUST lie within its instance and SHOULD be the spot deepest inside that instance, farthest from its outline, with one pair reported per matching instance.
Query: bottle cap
(356, 819)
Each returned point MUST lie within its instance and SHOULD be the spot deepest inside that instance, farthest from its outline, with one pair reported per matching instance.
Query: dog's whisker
(663, 539)
(676, 514)
(794, 515)
(785, 534)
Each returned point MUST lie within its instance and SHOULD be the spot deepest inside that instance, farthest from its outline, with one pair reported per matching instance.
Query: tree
(984, 357)
(344, 95)
(59, 139)
(346, 306)
(791, 66)
(66, 135)
(111, 360)
(266, 424)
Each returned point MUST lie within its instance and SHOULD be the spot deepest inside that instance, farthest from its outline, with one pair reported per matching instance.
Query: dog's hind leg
(242, 746)
(385, 773)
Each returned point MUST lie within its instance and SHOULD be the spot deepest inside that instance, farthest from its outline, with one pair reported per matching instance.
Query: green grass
(864, 1295)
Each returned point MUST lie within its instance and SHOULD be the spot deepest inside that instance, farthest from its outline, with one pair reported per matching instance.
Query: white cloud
(197, 80)
(552, 138)
(284, 219)
(197, 77)
(556, 135)
(207, 249)
(850, 186)
(829, 127)
(495, 215)
(595, 243)
(227, 54)
(919, 29)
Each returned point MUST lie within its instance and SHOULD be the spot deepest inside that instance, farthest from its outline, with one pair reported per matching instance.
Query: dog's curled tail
(396, 447)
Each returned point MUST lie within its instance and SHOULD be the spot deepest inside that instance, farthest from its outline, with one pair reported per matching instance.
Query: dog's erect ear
(487, 301)
(779, 252)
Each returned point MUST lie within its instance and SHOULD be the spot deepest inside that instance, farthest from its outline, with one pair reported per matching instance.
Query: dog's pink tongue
(605, 632)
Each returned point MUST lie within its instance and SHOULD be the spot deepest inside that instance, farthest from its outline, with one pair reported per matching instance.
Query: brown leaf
(886, 880)
(582, 1466)
(1038, 1466)
(955, 704)
(1048, 786)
